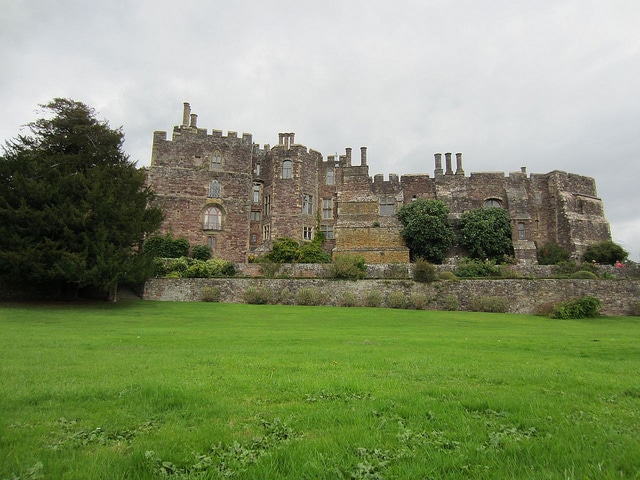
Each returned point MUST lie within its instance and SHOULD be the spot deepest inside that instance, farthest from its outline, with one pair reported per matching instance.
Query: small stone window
(255, 216)
(212, 218)
(216, 159)
(286, 169)
(307, 233)
(256, 193)
(492, 203)
(267, 205)
(327, 231)
(522, 232)
(212, 242)
(254, 238)
(330, 179)
(327, 208)
(214, 189)
(266, 232)
(387, 206)
(307, 204)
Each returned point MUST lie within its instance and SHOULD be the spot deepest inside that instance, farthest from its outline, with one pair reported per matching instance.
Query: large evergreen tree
(73, 207)
(426, 229)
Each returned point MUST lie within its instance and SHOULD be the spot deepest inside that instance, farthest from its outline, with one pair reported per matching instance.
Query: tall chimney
(292, 137)
(194, 120)
(459, 170)
(348, 151)
(438, 171)
(281, 139)
(185, 114)
(447, 159)
(363, 156)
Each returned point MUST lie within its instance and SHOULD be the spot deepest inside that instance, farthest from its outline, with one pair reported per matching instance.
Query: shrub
(229, 269)
(373, 299)
(312, 253)
(347, 299)
(284, 297)
(210, 294)
(165, 246)
(258, 295)
(583, 274)
(447, 275)
(349, 267)
(489, 304)
(395, 270)
(424, 272)
(566, 269)
(269, 269)
(175, 266)
(583, 307)
(418, 301)
(396, 299)
(450, 303)
(552, 254)
(309, 296)
(607, 253)
(470, 268)
(201, 252)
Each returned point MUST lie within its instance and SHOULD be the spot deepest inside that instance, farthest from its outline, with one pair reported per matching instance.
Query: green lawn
(205, 390)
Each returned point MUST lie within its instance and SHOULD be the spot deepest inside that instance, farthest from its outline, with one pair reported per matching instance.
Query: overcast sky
(546, 84)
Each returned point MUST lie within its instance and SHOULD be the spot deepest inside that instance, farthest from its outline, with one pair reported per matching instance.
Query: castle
(230, 194)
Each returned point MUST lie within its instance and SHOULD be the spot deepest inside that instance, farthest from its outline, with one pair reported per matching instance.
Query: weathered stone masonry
(227, 192)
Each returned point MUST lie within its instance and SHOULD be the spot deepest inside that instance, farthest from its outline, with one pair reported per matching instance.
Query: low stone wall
(522, 295)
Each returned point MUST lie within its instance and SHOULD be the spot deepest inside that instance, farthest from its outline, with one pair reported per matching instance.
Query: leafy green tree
(426, 229)
(486, 233)
(73, 208)
(606, 253)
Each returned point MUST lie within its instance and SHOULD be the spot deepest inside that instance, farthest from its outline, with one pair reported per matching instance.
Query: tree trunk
(113, 293)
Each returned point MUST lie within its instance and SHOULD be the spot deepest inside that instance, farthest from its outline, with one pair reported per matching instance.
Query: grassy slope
(315, 392)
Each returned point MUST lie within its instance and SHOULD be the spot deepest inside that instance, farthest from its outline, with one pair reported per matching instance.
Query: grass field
(202, 390)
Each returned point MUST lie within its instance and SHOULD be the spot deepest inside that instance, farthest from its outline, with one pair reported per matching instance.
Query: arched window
(286, 169)
(492, 202)
(212, 218)
(214, 189)
(216, 159)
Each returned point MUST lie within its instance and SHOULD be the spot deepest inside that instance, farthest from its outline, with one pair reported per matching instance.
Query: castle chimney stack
(363, 156)
(281, 139)
(459, 170)
(348, 151)
(447, 159)
(185, 114)
(438, 171)
(194, 120)
(292, 137)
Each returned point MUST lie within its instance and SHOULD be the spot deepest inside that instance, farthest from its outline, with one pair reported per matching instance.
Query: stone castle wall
(523, 296)
(291, 191)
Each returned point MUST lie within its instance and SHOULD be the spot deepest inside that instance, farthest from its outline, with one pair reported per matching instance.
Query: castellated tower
(226, 192)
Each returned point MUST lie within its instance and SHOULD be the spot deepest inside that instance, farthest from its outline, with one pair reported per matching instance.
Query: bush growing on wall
(348, 267)
(471, 268)
(396, 299)
(489, 304)
(201, 252)
(583, 307)
(373, 299)
(184, 267)
(552, 254)
(310, 296)
(258, 295)
(606, 253)
(424, 272)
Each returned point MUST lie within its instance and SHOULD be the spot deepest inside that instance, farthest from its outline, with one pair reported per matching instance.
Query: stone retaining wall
(522, 295)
